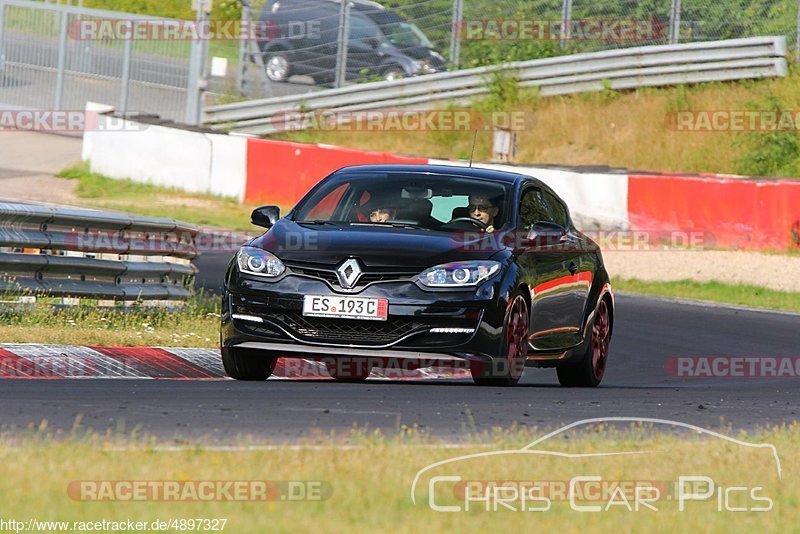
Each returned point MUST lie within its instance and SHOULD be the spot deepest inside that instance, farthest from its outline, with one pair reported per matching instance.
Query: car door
(551, 270)
(363, 50)
(579, 263)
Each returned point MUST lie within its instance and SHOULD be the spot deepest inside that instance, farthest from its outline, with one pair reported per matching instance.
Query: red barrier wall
(734, 213)
(280, 172)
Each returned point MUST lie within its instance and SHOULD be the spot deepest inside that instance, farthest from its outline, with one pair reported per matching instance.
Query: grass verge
(638, 130)
(196, 324)
(366, 486)
(98, 191)
(738, 294)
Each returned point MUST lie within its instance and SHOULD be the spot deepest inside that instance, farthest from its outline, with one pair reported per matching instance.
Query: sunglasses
(482, 207)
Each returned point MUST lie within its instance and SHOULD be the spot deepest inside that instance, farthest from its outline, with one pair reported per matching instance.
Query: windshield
(405, 35)
(443, 203)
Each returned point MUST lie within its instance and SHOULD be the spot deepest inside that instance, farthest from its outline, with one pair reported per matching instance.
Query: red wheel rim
(517, 337)
(601, 335)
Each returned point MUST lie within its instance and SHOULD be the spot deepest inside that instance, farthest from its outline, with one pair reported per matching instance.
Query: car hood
(374, 246)
(419, 52)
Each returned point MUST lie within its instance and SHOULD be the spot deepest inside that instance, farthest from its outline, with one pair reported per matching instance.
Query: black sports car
(416, 265)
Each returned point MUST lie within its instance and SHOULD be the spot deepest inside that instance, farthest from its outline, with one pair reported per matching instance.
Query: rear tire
(247, 364)
(588, 371)
(322, 79)
(277, 66)
(507, 370)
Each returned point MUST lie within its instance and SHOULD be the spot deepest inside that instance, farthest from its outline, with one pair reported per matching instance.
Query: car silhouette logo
(532, 450)
(348, 273)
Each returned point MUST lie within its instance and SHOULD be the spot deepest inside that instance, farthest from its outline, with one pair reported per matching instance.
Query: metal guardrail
(628, 68)
(27, 230)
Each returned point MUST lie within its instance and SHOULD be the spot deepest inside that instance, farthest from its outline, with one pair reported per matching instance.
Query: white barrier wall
(190, 161)
(596, 201)
(217, 164)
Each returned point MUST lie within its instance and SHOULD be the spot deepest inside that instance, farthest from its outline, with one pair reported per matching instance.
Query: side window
(325, 208)
(532, 209)
(557, 210)
(443, 206)
(361, 28)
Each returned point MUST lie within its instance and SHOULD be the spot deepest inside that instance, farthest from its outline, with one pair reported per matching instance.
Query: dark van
(301, 37)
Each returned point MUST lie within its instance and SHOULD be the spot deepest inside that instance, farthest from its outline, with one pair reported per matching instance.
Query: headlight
(459, 274)
(259, 262)
(423, 65)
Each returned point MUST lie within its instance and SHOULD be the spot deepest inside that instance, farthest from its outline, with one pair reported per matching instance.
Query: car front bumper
(267, 315)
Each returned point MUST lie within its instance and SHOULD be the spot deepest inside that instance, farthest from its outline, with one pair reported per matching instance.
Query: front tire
(588, 371)
(393, 73)
(247, 364)
(515, 348)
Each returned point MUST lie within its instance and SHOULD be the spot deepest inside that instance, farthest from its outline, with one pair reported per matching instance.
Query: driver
(483, 209)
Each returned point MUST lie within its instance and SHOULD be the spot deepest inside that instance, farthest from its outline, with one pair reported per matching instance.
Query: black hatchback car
(302, 37)
(417, 265)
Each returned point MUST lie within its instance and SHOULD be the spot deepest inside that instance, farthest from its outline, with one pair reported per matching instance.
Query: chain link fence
(43, 65)
(472, 33)
(527, 29)
(53, 57)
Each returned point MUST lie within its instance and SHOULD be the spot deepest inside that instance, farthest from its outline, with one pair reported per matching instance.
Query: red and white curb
(35, 361)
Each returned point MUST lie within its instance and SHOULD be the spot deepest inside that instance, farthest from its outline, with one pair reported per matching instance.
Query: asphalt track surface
(647, 332)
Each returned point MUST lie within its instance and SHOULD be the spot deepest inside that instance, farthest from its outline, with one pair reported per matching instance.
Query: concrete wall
(733, 211)
(190, 161)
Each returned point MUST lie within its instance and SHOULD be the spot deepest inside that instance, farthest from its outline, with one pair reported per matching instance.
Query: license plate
(346, 307)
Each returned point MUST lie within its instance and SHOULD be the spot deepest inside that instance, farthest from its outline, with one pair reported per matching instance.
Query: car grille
(350, 330)
(368, 277)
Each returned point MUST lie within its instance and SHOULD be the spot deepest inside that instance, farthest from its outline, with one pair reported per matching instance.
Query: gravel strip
(775, 271)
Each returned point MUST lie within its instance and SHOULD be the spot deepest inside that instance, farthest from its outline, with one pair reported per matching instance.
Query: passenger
(379, 209)
(382, 215)
(483, 209)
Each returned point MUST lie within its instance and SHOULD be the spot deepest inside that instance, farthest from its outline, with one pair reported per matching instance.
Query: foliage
(771, 153)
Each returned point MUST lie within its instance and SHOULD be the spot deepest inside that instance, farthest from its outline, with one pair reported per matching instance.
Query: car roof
(362, 6)
(468, 172)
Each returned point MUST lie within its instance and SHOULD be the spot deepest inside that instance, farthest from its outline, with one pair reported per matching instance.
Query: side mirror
(373, 42)
(265, 216)
(546, 233)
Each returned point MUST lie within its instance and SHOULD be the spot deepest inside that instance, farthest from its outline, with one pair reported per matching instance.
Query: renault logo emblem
(348, 273)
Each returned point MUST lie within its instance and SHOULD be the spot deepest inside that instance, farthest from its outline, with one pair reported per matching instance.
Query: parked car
(302, 36)
(475, 266)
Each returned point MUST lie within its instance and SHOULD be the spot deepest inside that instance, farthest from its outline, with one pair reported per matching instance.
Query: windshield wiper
(392, 224)
(321, 223)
